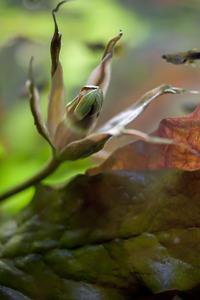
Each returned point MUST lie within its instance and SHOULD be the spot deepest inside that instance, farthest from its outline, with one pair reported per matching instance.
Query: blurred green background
(150, 28)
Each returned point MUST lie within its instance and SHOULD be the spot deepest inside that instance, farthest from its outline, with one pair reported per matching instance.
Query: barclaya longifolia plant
(70, 129)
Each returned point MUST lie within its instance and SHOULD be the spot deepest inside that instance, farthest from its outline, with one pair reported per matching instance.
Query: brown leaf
(185, 131)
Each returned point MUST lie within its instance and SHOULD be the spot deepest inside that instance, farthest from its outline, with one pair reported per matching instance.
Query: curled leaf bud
(82, 113)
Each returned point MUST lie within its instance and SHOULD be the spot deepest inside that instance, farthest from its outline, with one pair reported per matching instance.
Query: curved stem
(46, 171)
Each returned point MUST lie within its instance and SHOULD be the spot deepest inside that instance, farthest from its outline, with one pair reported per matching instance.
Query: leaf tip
(56, 39)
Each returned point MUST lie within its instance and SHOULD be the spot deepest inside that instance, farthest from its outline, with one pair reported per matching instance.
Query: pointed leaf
(35, 107)
(101, 74)
(116, 124)
(56, 107)
(56, 41)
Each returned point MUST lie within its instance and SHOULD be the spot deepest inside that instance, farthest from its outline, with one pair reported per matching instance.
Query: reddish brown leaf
(141, 155)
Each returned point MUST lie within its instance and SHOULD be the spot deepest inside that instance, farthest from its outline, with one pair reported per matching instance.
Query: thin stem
(158, 140)
(46, 171)
(146, 137)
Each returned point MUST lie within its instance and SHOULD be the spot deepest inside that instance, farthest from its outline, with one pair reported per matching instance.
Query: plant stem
(46, 171)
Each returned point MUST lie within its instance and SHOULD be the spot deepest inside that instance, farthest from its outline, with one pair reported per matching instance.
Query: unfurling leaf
(101, 74)
(80, 117)
(83, 112)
